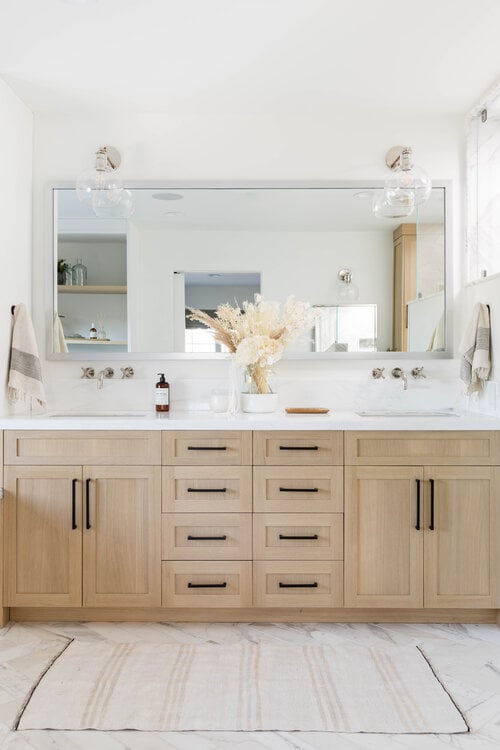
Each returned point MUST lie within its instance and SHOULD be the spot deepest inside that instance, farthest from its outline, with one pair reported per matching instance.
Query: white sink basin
(94, 414)
(405, 413)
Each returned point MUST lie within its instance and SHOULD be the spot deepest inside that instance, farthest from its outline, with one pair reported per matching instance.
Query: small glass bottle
(162, 394)
(79, 273)
(93, 332)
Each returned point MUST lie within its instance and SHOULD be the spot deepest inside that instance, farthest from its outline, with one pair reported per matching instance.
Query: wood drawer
(298, 489)
(234, 530)
(207, 489)
(412, 448)
(77, 447)
(326, 532)
(303, 584)
(293, 447)
(207, 448)
(213, 584)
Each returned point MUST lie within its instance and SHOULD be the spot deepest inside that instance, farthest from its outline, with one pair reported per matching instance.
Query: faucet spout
(108, 372)
(397, 372)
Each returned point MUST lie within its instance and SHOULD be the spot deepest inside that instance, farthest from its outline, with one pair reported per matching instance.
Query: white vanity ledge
(205, 420)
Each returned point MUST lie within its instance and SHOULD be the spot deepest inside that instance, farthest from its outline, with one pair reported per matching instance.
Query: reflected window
(346, 328)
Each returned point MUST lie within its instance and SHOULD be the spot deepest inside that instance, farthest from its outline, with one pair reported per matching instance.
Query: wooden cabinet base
(139, 614)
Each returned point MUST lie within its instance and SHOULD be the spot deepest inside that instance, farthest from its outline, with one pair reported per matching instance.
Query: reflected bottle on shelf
(79, 273)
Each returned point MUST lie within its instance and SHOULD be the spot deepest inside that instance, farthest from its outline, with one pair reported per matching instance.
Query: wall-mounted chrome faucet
(107, 373)
(397, 372)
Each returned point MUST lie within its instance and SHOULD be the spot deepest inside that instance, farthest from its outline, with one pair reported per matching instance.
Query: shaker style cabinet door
(461, 531)
(43, 536)
(122, 536)
(384, 536)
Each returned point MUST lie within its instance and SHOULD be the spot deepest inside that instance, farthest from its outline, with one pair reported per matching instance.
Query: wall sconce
(101, 188)
(409, 186)
(346, 290)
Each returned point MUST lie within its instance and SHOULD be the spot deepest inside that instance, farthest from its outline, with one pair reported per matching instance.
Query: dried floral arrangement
(258, 333)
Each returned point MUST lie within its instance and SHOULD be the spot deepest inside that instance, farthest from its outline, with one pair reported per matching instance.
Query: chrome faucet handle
(378, 372)
(397, 372)
(418, 372)
(127, 372)
(88, 372)
(108, 372)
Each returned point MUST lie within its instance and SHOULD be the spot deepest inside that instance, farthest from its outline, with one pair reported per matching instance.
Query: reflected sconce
(409, 186)
(346, 290)
(102, 189)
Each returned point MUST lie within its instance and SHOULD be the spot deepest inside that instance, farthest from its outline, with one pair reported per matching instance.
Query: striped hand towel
(475, 349)
(25, 372)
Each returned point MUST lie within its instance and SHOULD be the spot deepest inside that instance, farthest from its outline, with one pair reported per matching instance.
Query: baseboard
(88, 614)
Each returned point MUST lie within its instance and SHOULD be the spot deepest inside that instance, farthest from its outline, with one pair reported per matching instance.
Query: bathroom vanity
(266, 521)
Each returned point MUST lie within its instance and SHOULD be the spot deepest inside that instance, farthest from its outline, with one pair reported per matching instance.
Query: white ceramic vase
(259, 403)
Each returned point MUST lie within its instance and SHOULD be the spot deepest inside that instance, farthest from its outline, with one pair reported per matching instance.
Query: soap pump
(162, 394)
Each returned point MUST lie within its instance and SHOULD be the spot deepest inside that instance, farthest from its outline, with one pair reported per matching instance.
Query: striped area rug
(242, 687)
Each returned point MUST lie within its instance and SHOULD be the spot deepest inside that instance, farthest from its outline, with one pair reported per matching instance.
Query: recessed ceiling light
(168, 196)
(173, 213)
(215, 275)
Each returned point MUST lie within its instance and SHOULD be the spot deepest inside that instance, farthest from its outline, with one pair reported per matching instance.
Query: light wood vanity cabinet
(81, 535)
(422, 536)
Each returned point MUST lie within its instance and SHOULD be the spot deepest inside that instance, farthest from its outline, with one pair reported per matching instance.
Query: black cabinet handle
(313, 585)
(73, 503)
(298, 536)
(417, 525)
(299, 448)
(431, 525)
(299, 489)
(87, 504)
(221, 538)
(207, 489)
(207, 448)
(207, 585)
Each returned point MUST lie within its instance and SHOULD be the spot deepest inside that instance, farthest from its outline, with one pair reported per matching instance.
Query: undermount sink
(408, 413)
(94, 414)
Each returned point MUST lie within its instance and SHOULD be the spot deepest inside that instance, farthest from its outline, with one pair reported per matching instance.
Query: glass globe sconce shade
(121, 210)
(407, 178)
(394, 206)
(99, 186)
(346, 290)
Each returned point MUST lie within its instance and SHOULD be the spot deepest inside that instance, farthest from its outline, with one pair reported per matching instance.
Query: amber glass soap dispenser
(162, 394)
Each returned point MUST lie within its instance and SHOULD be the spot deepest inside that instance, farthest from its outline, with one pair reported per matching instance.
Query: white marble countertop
(206, 420)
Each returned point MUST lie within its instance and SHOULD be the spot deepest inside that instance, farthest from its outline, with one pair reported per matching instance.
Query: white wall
(287, 146)
(16, 149)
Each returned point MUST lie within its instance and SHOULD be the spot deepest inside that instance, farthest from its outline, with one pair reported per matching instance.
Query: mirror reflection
(125, 284)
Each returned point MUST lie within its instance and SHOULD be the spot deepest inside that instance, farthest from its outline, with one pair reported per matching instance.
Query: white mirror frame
(51, 278)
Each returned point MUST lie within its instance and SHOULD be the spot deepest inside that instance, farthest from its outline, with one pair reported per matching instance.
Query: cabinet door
(459, 551)
(122, 536)
(43, 536)
(383, 547)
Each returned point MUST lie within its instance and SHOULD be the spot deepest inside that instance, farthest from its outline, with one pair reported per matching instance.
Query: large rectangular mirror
(125, 285)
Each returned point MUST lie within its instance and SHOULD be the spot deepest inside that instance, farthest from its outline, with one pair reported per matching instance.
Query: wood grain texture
(254, 614)
(74, 447)
(308, 448)
(235, 527)
(4, 611)
(236, 481)
(326, 576)
(277, 489)
(267, 528)
(43, 554)
(232, 447)
(420, 448)
(383, 549)
(460, 554)
(121, 550)
(236, 575)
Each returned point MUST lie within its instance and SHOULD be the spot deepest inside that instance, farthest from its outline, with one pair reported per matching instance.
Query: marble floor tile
(466, 657)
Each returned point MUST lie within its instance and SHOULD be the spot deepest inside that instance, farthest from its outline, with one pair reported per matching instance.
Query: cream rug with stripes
(241, 687)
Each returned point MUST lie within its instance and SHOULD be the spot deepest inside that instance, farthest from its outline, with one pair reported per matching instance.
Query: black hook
(12, 309)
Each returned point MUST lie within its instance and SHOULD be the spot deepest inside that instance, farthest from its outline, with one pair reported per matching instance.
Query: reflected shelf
(92, 289)
(98, 342)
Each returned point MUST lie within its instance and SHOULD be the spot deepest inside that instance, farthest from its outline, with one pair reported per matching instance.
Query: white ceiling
(250, 56)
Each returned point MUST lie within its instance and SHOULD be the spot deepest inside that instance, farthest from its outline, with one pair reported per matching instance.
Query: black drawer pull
(431, 525)
(207, 585)
(299, 489)
(87, 504)
(207, 489)
(215, 538)
(207, 448)
(299, 448)
(313, 585)
(73, 503)
(417, 525)
(298, 536)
